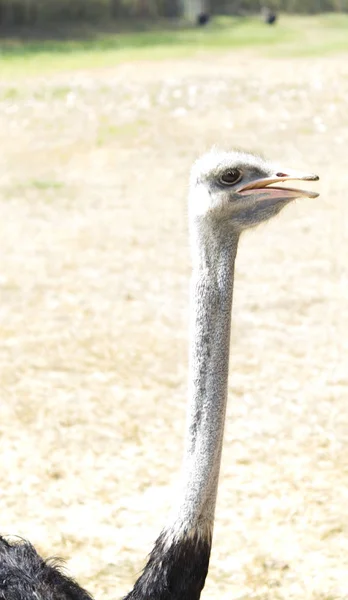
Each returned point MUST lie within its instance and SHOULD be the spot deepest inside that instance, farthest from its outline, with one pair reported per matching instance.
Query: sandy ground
(93, 321)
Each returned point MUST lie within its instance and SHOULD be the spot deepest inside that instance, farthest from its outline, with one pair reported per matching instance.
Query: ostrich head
(241, 189)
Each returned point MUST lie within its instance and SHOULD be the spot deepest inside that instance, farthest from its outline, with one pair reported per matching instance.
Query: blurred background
(104, 105)
(33, 12)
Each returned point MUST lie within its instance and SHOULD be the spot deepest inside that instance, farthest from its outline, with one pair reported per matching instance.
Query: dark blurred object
(268, 15)
(203, 19)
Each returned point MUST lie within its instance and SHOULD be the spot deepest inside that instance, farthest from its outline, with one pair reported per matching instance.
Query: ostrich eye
(230, 176)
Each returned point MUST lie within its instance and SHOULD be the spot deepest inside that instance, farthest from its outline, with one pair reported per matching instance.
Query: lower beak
(286, 193)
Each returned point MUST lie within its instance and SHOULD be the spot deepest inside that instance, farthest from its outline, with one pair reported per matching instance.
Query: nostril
(281, 175)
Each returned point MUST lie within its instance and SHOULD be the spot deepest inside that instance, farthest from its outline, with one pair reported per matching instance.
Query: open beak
(286, 193)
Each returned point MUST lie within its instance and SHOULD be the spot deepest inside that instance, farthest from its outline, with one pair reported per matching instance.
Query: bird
(203, 19)
(269, 16)
(229, 192)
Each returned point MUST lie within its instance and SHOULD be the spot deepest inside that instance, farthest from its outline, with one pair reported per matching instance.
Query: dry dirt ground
(94, 290)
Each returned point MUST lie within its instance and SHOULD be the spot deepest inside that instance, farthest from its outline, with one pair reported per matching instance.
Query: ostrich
(269, 16)
(229, 193)
(203, 19)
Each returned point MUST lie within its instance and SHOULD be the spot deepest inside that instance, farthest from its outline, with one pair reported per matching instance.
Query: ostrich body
(269, 16)
(229, 192)
(203, 19)
(24, 575)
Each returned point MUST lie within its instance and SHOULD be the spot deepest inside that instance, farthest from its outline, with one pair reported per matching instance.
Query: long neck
(210, 320)
(178, 564)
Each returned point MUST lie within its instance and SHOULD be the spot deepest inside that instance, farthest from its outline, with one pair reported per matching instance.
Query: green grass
(41, 184)
(292, 36)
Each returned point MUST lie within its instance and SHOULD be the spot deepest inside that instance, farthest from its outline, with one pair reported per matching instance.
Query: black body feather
(24, 575)
(174, 571)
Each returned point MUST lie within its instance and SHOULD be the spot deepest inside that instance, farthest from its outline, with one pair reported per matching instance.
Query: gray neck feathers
(178, 564)
(214, 248)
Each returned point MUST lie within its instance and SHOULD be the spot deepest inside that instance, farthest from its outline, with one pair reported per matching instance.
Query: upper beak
(281, 192)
